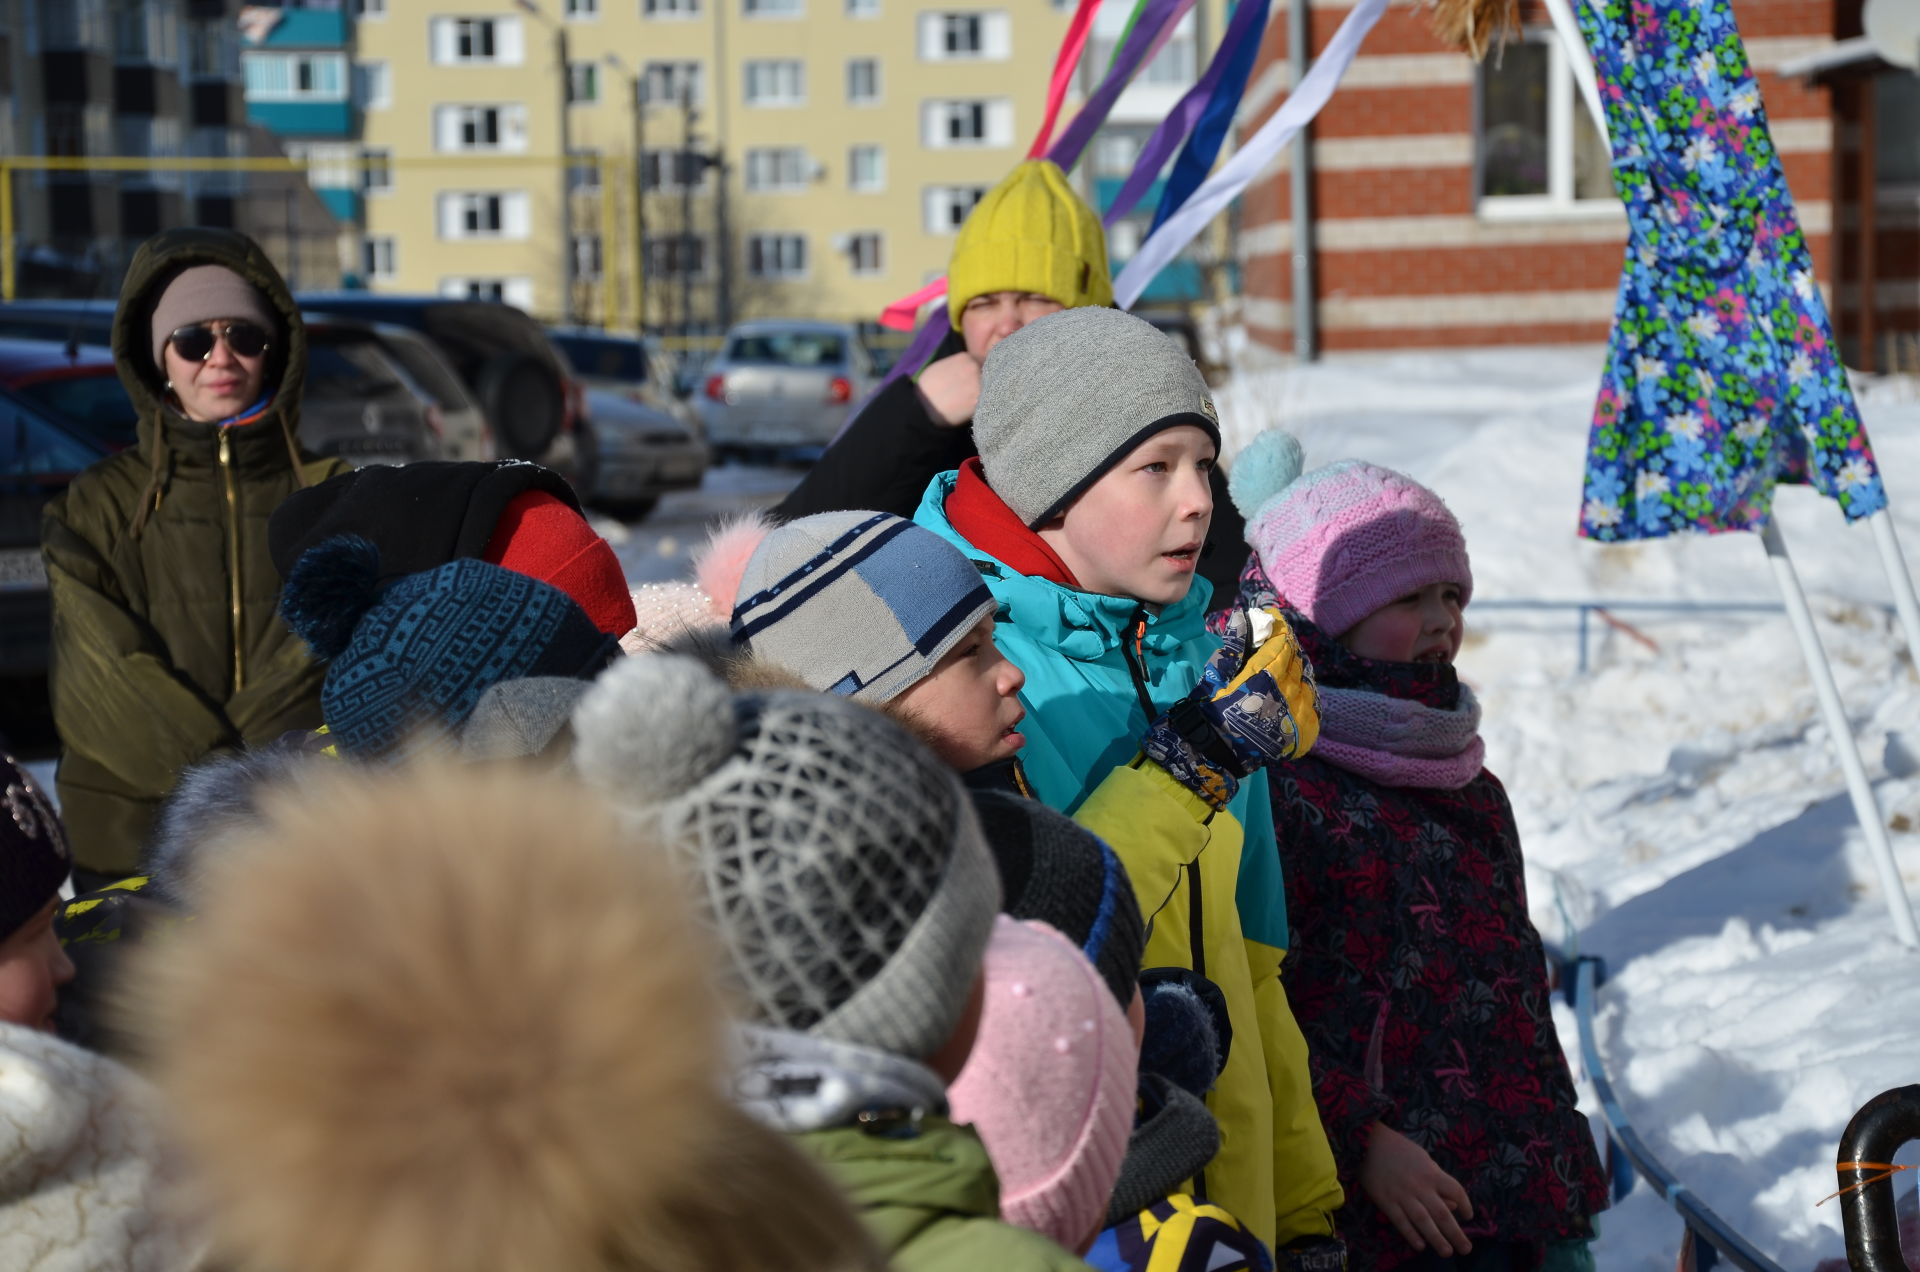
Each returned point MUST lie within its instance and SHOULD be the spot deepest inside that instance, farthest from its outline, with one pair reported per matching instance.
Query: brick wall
(1405, 255)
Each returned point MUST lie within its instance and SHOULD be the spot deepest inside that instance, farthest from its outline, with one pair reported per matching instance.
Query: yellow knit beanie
(1031, 233)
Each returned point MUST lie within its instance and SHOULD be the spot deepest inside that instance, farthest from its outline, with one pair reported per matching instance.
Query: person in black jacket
(1031, 247)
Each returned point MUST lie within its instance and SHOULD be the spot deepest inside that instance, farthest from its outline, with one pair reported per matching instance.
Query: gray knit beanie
(839, 862)
(1065, 398)
(857, 603)
(201, 293)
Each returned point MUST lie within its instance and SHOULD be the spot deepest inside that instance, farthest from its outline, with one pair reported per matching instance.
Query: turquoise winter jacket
(1093, 674)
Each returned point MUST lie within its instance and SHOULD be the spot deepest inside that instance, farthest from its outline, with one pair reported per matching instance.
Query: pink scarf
(1401, 742)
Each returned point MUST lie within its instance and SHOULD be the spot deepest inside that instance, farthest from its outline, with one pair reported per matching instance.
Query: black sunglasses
(195, 343)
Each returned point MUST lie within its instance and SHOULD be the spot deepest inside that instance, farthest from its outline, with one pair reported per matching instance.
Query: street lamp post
(638, 100)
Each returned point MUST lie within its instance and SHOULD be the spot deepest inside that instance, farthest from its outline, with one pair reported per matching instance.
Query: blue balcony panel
(308, 29)
(344, 204)
(303, 119)
(1107, 189)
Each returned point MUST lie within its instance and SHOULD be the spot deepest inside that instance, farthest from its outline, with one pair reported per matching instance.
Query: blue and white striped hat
(861, 604)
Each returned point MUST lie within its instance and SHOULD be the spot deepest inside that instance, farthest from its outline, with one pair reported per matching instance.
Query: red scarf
(983, 519)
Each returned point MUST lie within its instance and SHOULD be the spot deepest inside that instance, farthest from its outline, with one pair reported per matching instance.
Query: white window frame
(662, 159)
(470, 120)
(863, 8)
(376, 159)
(589, 260)
(580, 10)
(784, 244)
(792, 71)
(446, 34)
(877, 184)
(512, 289)
(859, 239)
(780, 10)
(1559, 203)
(970, 123)
(673, 75)
(289, 68)
(778, 170)
(983, 35)
(876, 92)
(590, 71)
(508, 210)
(940, 205)
(672, 10)
(371, 254)
(656, 246)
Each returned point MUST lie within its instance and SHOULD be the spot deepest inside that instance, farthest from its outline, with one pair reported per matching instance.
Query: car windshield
(345, 368)
(429, 373)
(96, 405)
(599, 359)
(789, 348)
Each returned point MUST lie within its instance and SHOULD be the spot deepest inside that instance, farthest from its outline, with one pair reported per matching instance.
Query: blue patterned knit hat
(857, 603)
(410, 661)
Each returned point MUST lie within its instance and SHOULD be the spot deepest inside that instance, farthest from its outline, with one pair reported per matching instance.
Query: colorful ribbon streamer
(900, 314)
(1306, 101)
(1064, 65)
(1154, 18)
(1231, 67)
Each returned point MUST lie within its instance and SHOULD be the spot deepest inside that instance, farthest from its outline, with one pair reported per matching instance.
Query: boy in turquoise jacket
(1087, 512)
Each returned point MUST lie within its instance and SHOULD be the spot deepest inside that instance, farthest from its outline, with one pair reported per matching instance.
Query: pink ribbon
(1063, 67)
(900, 315)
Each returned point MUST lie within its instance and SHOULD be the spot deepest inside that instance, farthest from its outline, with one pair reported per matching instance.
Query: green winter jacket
(1215, 901)
(166, 642)
(931, 1202)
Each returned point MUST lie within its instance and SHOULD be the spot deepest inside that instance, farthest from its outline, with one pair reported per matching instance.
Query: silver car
(783, 388)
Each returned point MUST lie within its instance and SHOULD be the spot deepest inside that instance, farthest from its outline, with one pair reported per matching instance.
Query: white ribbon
(1224, 186)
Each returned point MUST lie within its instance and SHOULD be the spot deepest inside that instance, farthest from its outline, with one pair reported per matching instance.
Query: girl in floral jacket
(1415, 972)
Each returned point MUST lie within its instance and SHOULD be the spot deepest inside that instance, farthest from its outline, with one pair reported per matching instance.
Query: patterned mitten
(1249, 710)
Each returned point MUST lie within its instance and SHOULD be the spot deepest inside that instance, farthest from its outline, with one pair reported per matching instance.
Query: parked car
(453, 410)
(783, 388)
(633, 454)
(39, 455)
(521, 381)
(358, 402)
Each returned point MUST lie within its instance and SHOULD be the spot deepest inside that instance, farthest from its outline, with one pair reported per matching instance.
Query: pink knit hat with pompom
(1050, 1083)
(1342, 541)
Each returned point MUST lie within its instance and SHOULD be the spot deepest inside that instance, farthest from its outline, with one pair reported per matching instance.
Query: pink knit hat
(1342, 541)
(1050, 1083)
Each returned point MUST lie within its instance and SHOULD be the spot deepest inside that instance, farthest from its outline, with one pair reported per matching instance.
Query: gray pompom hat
(839, 862)
(1065, 398)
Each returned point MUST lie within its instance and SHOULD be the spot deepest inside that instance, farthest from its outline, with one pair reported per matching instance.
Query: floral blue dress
(1722, 377)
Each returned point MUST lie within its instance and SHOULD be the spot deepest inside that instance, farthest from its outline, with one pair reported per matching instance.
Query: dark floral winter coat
(1421, 985)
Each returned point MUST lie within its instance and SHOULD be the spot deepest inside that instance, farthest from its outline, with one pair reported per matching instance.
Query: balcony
(303, 118)
(343, 204)
(309, 29)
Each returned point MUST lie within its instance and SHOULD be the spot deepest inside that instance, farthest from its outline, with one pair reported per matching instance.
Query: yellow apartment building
(856, 135)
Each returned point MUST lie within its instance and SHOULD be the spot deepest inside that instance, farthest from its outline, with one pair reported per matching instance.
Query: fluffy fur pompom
(1264, 467)
(652, 727)
(329, 589)
(719, 566)
(435, 1020)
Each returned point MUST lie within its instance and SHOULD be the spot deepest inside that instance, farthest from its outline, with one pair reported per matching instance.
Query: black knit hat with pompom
(410, 659)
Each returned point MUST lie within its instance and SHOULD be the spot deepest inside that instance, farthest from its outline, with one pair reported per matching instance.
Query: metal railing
(1627, 1154)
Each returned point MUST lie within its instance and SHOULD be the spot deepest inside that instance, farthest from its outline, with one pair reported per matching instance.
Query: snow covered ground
(1681, 808)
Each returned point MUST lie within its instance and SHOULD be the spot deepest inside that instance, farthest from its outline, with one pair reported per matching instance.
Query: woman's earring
(169, 386)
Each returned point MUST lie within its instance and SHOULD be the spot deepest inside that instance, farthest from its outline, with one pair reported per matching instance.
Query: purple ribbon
(1066, 151)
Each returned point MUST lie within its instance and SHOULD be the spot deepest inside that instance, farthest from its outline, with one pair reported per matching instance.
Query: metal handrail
(1714, 1237)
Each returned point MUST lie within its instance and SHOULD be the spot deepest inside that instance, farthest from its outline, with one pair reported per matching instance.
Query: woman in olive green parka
(166, 642)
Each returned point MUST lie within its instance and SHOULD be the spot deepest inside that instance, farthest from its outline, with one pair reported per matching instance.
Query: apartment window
(1536, 148)
(670, 8)
(511, 291)
(773, 8)
(866, 169)
(296, 76)
(213, 51)
(1115, 152)
(583, 82)
(865, 252)
(484, 128)
(672, 170)
(583, 8)
(777, 255)
(776, 83)
(583, 169)
(586, 256)
(672, 83)
(863, 81)
(377, 172)
(974, 36)
(947, 206)
(676, 255)
(368, 8)
(948, 125)
(146, 31)
(863, 8)
(72, 24)
(373, 85)
(484, 215)
(379, 257)
(778, 168)
(471, 41)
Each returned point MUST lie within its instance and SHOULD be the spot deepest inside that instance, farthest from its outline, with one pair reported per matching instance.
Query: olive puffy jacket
(167, 645)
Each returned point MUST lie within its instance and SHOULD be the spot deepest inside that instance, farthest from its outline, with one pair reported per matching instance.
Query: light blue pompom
(1264, 467)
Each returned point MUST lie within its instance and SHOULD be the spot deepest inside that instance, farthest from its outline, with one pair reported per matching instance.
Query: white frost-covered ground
(1681, 808)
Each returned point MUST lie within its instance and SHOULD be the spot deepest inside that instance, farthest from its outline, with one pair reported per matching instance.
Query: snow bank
(1681, 809)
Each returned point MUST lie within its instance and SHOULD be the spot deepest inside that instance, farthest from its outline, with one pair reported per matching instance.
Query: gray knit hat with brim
(863, 604)
(839, 862)
(1064, 399)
